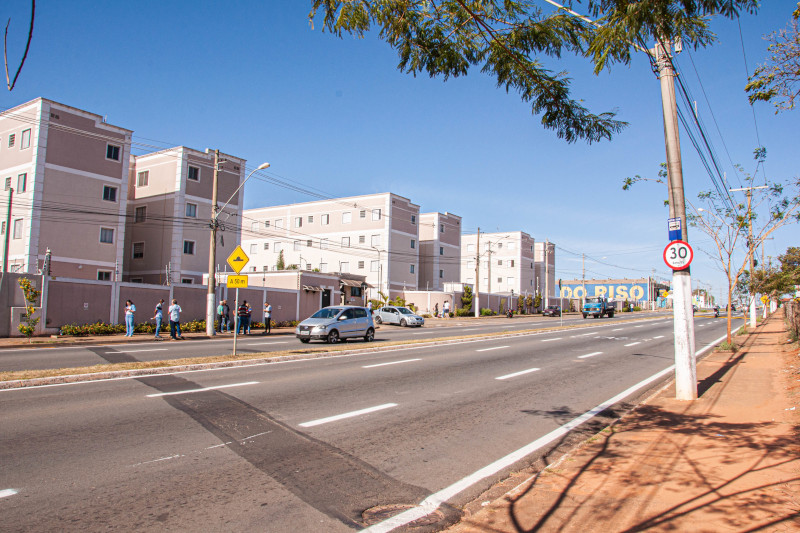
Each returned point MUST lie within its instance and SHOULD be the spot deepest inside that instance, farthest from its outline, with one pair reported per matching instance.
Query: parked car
(335, 323)
(552, 310)
(402, 316)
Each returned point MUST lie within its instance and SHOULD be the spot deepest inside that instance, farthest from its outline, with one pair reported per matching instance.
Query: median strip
(347, 415)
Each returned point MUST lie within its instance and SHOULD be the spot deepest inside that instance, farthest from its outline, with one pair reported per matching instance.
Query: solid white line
(392, 363)
(618, 329)
(589, 355)
(432, 502)
(420, 333)
(5, 493)
(659, 337)
(202, 390)
(551, 340)
(493, 348)
(266, 343)
(470, 329)
(347, 415)
(515, 374)
(585, 334)
(137, 351)
(633, 344)
(637, 326)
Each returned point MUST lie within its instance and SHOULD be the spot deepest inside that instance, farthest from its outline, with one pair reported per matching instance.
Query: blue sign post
(675, 233)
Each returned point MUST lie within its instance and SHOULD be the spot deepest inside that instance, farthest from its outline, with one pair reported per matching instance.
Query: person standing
(241, 315)
(175, 320)
(221, 314)
(267, 318)
(249, 318)
(159, 317)
(446, 309)
(129, 310)
(227, 314)
(436, 310)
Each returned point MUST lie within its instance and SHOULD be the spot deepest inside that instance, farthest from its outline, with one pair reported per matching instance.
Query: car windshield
(553, 307)
(593, 300)
(328, 312)
(405, 311)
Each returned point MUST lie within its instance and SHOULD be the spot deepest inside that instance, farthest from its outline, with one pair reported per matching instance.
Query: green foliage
(529, 302)
(463, 312)
(466, 299)
(728, 346)
(502, 307)
(487, 312)
(537, 301)
(281, 263)
(31, 294)
(520, 303)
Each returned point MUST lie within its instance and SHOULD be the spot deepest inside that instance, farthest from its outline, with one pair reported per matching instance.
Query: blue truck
(598, 307)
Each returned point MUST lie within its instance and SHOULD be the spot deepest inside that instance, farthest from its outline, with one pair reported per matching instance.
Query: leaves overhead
(508, 39)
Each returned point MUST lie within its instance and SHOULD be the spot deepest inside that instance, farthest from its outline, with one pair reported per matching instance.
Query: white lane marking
(241, 441)
(5, 493)
(493, 348)
(515, 374)
(589, 355)
(137, 351)
(421, 333)
(392, 363)
(432, 502)
(633, 343)
(159, 460)
(551, 340)
(637, 326)
(347, 415)
(585, 334)
(618, 329)
(659, 337)
(203, 389)
(266, 343)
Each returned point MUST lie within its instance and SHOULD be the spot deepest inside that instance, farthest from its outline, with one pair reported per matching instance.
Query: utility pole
(8, 230)
(751, 249)
(685, 363)
(583, 279)
(476, 297)
(212, 253)
(489, 268)
(546, 273)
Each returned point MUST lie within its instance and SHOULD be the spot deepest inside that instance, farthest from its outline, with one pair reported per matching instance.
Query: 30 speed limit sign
(678, 255)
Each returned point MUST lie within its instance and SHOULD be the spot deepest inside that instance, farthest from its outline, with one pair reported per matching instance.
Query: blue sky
(336, 116)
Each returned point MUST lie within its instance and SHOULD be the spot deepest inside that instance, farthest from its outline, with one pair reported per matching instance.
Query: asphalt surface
(309, 445)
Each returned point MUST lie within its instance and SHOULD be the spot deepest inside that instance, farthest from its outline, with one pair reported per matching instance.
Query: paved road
(25, 358)
(309, 445)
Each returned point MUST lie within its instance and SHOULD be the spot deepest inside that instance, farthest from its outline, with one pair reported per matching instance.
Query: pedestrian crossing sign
(238, 259)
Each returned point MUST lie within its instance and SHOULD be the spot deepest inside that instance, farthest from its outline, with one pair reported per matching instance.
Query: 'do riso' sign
(678, 255)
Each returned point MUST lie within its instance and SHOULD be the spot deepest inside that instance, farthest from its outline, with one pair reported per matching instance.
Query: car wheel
(378, 320)
(304, 341)
(370, 336)
(584, 315)
(333, 337)
(403, 323)
(611, 315)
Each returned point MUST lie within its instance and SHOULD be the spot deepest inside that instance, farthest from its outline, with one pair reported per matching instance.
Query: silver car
(402, 316)
(335, 323)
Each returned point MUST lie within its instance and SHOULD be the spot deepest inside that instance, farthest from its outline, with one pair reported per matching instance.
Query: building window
(323, 267)
(375, 240)
(360, 266)
(362, 239)
(103, 275)
(109, 193)
(266, 223)
(310, 219)
(26, 139)
(22, 182)
(511, 262)
(188, 247)
(253, 249)
(471, 265)
(11, 139)
(323, 244)
(362, 214)
(470, 247)
(413, 243)
(3, 228)
(107, 235)
(325, 220)
(142, 178)
(511, 246)
(138, 250)
(193, 173)
(499, 262)
(411, 270)
(187, 281)
(296, 246)
(355, 292)
(376, 214)
(441, 274)
(137, 280)
(414, 219)
(8, 183)
(278, 248)
(511, 281)
(346, 217)
(441, 228)
(191, 210)
(441, 250)
(18, 228)
(345, 242)
(112, 152)
(309, 243)
(344, 266)
(266, 246)
(499, 280)
(140, 214)
(499, 245)
(373, 266)
(298, 222)
(279, 223)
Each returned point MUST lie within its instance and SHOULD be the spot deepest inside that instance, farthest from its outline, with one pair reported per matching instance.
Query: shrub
(426, 315)
(463, 311)
(487, 312)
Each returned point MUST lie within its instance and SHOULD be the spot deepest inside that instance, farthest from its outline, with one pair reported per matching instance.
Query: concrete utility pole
(476, 297)
(685, 363)
(751, 249)
(546, 273)
(8, 229)
(583, 279)
(489, 268)
(212, 253)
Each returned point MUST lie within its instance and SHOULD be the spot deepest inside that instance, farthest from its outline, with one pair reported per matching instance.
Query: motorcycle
(510, 313)
(716, 312)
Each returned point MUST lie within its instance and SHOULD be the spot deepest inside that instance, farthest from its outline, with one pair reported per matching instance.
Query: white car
(402, 316)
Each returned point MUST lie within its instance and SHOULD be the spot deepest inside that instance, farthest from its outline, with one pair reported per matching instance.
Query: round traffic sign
(678, 255)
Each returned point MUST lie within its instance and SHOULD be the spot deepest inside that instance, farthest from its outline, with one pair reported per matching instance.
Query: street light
(380, 269)
(212, 252)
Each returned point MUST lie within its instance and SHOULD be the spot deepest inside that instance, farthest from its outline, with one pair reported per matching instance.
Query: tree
(508, 40)
(281, 264)
(778, 80)
(466, 298)
(9, 82)
(537, 301)
(30, 293)
(529, 302)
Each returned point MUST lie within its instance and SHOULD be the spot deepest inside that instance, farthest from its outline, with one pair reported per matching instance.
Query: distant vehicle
(335, 323)
(694, 309)
(402, 316)
(598, 307)
(552, 310)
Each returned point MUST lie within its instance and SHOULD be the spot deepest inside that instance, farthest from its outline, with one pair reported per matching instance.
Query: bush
(463, 312)
(426, 315)
(637, 308)
(487, 312)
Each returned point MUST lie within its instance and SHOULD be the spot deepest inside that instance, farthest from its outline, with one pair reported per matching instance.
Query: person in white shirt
(175, 320)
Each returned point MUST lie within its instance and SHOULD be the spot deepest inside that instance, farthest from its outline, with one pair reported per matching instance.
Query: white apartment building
(506, 262)
(440, 250)
(169, 212)
(373, 235)
(68, 170)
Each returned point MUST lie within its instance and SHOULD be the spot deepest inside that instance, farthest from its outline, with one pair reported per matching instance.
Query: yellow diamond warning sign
(238, 259)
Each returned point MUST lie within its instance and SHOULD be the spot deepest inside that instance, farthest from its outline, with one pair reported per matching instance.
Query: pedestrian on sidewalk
(249, 318)
(227, 315)
(221, 315)
(436, 310)
(129, 310)
(159, 317)
(241, 314)
(175, 320)
(446, 309)
(267, 318)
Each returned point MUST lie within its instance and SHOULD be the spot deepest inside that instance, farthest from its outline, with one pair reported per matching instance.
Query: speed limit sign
(678, 255)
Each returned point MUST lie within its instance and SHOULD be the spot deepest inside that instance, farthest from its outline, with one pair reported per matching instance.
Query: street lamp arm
(262, 166)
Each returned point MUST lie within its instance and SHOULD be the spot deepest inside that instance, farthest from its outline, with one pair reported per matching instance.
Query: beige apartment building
(440, 250)
(506, 262)
(68, 170)
(169, 214)
(375, 235)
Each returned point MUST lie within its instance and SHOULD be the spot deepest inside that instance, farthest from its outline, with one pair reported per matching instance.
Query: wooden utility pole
(211, 297)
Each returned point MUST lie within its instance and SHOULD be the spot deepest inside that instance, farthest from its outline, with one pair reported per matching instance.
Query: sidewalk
(728, 461)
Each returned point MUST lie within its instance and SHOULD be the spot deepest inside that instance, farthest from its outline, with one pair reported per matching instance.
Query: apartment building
(545, 278)
(169, 212)
(373, 235)
(65, 175)
(506, 262)
(439, 250)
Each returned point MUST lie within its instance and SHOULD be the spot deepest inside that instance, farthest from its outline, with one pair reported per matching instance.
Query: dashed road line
(391, 363)
(5, 493)
(618, 329)
(633, 343)
(659, 337)
(347, 415)
(138, 351)
(202, 390)
(266, 343)
(551, 340)
(492, 348)
(520, 373)
(589, 355)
